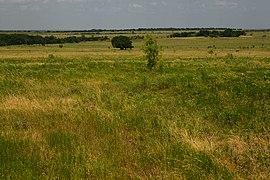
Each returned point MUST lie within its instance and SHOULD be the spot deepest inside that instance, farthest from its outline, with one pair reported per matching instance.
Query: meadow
(89, 111)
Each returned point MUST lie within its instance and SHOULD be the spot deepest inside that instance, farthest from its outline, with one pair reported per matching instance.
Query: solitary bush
(122, 42)
(211, 52)
(151, 51)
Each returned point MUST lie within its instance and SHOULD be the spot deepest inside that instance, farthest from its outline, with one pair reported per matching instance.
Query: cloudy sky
(116, 14)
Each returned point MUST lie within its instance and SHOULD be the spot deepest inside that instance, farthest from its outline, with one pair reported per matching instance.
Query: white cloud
(164, 3)
(136, 6)
(226, 4)
(154, 3)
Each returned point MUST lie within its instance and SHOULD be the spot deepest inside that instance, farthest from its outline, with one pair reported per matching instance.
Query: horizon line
(132, 29)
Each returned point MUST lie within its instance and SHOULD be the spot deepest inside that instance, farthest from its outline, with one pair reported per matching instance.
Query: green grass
(106, 116)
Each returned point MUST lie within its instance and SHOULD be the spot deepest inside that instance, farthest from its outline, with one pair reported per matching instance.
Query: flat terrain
(90, 111)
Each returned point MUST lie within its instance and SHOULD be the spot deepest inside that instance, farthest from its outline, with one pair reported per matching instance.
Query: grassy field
(88, 111)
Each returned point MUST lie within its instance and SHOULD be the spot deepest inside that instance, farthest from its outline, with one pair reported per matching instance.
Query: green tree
(122, 42)
(151, 50)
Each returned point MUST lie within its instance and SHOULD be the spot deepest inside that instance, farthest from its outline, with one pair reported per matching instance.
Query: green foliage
(208, 33)
(19, 39)
(182, 34)
(122, 42)
(16, 161)
(151, 50)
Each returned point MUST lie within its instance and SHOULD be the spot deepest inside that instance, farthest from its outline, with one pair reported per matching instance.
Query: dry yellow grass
(22, 103)
(120, 118)
(169, 54)
(206, 143)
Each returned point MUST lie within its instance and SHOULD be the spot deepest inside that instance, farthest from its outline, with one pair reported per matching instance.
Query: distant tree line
(136, 37)
(151, 29)
(97, 31)
(20, 39)
(208, 33)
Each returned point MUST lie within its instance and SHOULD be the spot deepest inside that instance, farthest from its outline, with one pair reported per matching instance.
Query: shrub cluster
(207, 33)
(122, 42)
(151, 50)
(19, 39)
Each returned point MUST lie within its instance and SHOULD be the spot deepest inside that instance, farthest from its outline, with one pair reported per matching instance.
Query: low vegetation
(208, 33)
(122, 42)
(87, 111)
(21, 39)
(152, 51)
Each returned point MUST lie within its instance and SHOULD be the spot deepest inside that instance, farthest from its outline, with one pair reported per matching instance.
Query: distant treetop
(212, 33)
(122, 42)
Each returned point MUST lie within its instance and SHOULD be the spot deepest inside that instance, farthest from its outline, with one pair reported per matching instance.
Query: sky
(123, 14)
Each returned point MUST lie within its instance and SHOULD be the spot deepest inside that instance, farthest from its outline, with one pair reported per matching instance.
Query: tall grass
(197, 118)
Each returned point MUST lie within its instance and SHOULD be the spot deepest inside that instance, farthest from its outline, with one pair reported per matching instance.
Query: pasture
(89, 111)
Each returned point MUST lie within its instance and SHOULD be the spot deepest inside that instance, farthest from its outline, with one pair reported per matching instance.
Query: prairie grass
(100, 114)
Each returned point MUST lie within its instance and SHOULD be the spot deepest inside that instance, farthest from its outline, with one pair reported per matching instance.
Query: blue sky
(117, 14)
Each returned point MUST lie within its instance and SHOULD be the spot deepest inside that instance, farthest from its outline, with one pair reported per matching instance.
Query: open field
(90, 111)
